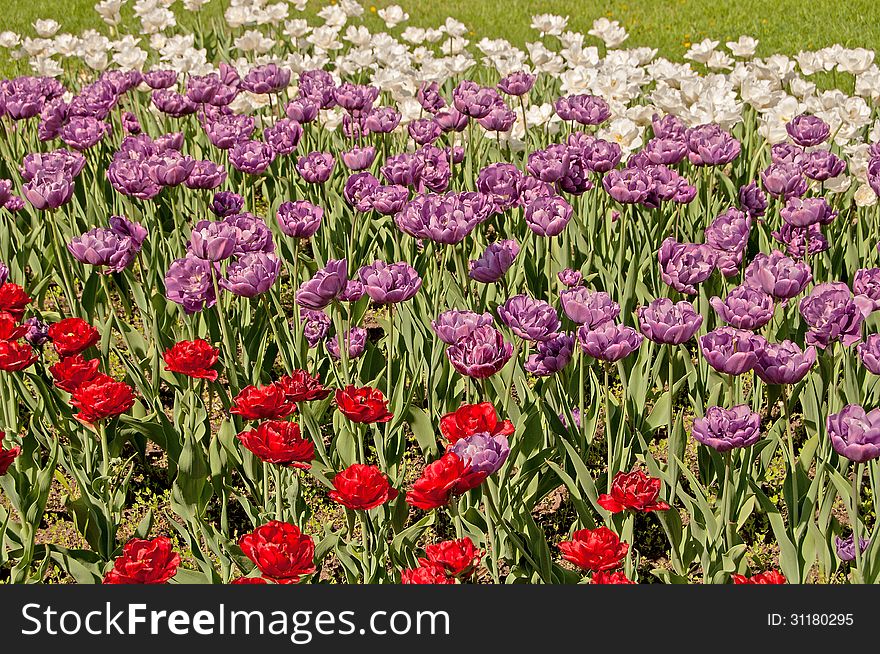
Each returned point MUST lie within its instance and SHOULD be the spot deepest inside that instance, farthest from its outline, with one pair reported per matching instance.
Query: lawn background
(784, 26)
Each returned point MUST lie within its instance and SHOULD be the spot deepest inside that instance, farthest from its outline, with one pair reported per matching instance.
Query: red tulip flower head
(72, 372)
(300, 386)
(72, 336)
(365, 405)
(428, 573)
(472, 419)
(635, 491)
(262, 403)
(362, 487)
(769, 577)
(280, 442)
(144, 562)
(594, 549)
(7, 457)
(281, 551)
(459, 558)
(194, 359)
(102, 398)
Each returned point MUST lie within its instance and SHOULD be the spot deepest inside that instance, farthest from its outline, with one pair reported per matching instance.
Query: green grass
(785, 26)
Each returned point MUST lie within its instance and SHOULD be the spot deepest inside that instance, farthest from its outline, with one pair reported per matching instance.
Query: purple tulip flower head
(778, 275)
(429, 97)
(855, 433)
(516, 84)
(784, 180)
(252, 157)
(833, 314)
(494, 263)
(866, 286)
(474, 100)
(569, 277)
(589, 308)
(663, 321)
(359, 158)
(548, 216)
(359, 190)
(730, 351)
(315, 167)
(481, 452)
(316, 326)
(803, 212)
(189, 283)
(784, 362)
(807, 130)
(869, 353)
(709, 145)
(300, 219)
(628, 186)
(822, 165)
(37, 331)
(390, 283)
(269, 78)
(480, 354)
(501, 182)
(213, 240)
(609, 341)
(324, 286)
(846, 547)
(104, 248)
(453, 325)
(355, 338)
(744, 307)
(254, 234)
(752, 199)
(552, 355)
(251, 274)
(682, 265)
(726, 429)
(528, 318)
(728, 235)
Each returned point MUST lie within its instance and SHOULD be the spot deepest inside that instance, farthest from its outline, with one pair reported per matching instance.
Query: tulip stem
(727, 499)
(792, 461)
(279, 498)
(671, 462)
(230, 362)
(105, 452)
(858, 573)
(609, 443)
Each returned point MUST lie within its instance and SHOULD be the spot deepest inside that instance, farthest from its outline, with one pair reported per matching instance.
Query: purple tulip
(474, 100)
(548, 216)
(528, 318)
(251, 157)
(730, 351)
(778, 275)
(316, 325)
(160, 79)
(667, 152)
(189, 283)
(359, 158)
(682, 265)
(833, 314)
(552, 355)
(728, 235)
(494, 263)
(302, 110)
(201, 89)
(822, 165)
(226, 203)
(382, 120)
(854, 433)
(799, 212)
(846, 547)
(453, 325)
(663, 321)
(481, 452)
(251, 274)
(589, 308)
(709, 145)
(784, 362)
(866, 286)
(807, 130)
(105, 248)
(516, 84)
(480, 354)
(609, 341)
(784, 180)
(388, 200)
(324, 286)
(84, 132)
(206, 175)
(787, 153)
(501, 182)
(269, 78)
(213, 240)
(37, 331)
(172, 103)
(744, 307)
(228, 130)
(584, 109)
(869, 353)
(752, 199)
(570, 278)
(300, 219)
(353, 292)
(726, 429)
(283, 136)
(315, 167)
(628, 186)
(49, 189)
(359, 190)
(390, 283)
(355, 338)
(429, 97)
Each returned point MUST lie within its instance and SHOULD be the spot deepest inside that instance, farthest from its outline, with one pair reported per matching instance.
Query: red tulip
(280, 442)
(472, 419)
(72, 372)
(633, 490)
(15, 356)
(769, 577)
(605, 577)
(194, 359)
(594, 549)
(144, 562)
(300, 386)
(362, 487)
(102, 398)
(10, 330)
(365, 404)
(246, 581)
(280, 551)
(72, 336)
(440, 480)
(13, 299)
(458, 557)
(262, 402)
(7, 457)
(427, 573)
